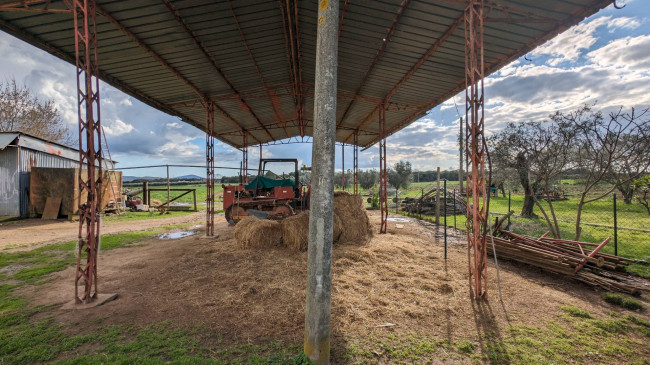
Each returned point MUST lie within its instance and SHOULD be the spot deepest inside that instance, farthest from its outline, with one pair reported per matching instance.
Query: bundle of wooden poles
(579, 260)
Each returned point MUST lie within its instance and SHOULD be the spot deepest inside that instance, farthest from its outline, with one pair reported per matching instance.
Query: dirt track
(26, 233)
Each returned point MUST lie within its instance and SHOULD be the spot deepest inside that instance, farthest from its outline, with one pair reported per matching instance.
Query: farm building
(19, 153)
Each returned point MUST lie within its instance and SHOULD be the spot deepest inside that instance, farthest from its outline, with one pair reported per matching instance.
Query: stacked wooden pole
(571, 258)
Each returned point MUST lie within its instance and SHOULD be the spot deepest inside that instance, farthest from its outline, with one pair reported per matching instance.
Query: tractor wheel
(235, 213)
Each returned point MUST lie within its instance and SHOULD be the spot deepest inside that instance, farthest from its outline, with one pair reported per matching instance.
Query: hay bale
(252, 232)
(340, 193)
(295, 231)
(356, 227)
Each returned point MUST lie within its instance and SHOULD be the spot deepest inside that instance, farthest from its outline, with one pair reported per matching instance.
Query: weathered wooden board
(52, 205)
(64, 183)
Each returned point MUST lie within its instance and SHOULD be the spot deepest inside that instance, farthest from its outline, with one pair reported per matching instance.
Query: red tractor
(265, 197)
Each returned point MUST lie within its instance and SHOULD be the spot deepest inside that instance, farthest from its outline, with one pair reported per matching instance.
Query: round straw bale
(295, 231)
(340, 193)
(356, 227)
(252, 232)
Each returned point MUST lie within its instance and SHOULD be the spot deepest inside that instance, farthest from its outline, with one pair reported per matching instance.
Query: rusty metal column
(355, 163)
(343, 166)
(475, 151)
(209, 164)
(90, 149)
(321, 217)
(245, 158)
(383, 174)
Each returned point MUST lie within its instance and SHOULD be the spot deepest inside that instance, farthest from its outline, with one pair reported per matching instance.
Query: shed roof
(39, 144)
(256, 59)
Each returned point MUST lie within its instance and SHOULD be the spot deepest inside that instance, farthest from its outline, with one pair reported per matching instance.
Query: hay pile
(355, 221)
(295, 231)
(351, 224)
(252, 232)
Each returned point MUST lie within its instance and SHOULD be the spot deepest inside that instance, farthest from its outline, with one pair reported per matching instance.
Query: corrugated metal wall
(9, 197)
(14, 177)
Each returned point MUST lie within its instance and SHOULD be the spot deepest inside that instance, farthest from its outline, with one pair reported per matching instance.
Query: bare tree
(602, 145)
(511, 150)
(551, 156)
(22, 111)
(620, 171)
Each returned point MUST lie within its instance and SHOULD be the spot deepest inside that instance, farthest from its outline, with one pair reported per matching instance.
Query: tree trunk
(529, 199)
(628, 194)
(503, 189)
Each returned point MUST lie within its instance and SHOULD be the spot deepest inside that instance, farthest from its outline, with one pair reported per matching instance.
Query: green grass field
(633, 221)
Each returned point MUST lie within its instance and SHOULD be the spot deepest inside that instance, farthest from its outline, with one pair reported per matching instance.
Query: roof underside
(256, 59)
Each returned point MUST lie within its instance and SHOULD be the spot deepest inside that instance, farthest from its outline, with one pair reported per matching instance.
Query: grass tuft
(576, 312)
(620, 300)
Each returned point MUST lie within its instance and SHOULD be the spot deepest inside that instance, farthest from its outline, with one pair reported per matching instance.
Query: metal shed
(20, 152)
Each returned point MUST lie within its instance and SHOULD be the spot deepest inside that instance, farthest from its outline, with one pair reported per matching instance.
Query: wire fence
(625, 224)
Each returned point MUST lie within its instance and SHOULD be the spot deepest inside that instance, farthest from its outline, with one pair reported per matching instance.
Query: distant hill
(132, 178)
(189, 177)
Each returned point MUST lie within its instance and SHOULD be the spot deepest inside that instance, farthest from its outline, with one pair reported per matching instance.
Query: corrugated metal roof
(6, 139)
(256, 58)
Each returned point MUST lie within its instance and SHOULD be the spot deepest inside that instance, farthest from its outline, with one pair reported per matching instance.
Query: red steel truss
(475, 149)
(355, 164)
(209, 162)
(244, 165)
(343, 166)
(383, 175)
(90, 148)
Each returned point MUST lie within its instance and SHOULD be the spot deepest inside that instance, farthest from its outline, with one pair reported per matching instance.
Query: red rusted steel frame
(355, 163)
(383, 175)
(244, 151)
(380, 51)
(90, 148)
(205, 52)
(209, 164)
(291, 59)
(269, 93)
(592, 253)
(343, 12)
(413, 69)
(343, 166)
(561, 26)
(475, 153)
(26, 7)
(301, 95)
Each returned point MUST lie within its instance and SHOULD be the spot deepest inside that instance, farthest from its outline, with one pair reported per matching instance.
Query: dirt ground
(27, 233)
(248, 295)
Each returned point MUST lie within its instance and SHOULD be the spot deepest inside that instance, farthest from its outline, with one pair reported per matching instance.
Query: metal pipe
(168, 188)
(445, 218)
(615, 228)
(319, 268)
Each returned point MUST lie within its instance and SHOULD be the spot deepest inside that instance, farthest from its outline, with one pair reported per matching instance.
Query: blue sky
(604, 59)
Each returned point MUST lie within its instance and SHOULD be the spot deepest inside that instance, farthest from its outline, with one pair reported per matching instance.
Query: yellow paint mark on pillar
(321, 20)
(323, 4)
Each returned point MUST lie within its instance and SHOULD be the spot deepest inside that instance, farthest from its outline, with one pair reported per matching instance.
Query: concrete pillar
(319, 270)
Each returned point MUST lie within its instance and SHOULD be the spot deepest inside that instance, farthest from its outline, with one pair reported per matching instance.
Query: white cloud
(117, 128)
(628, 52)
(568, 46)
(126, 102)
